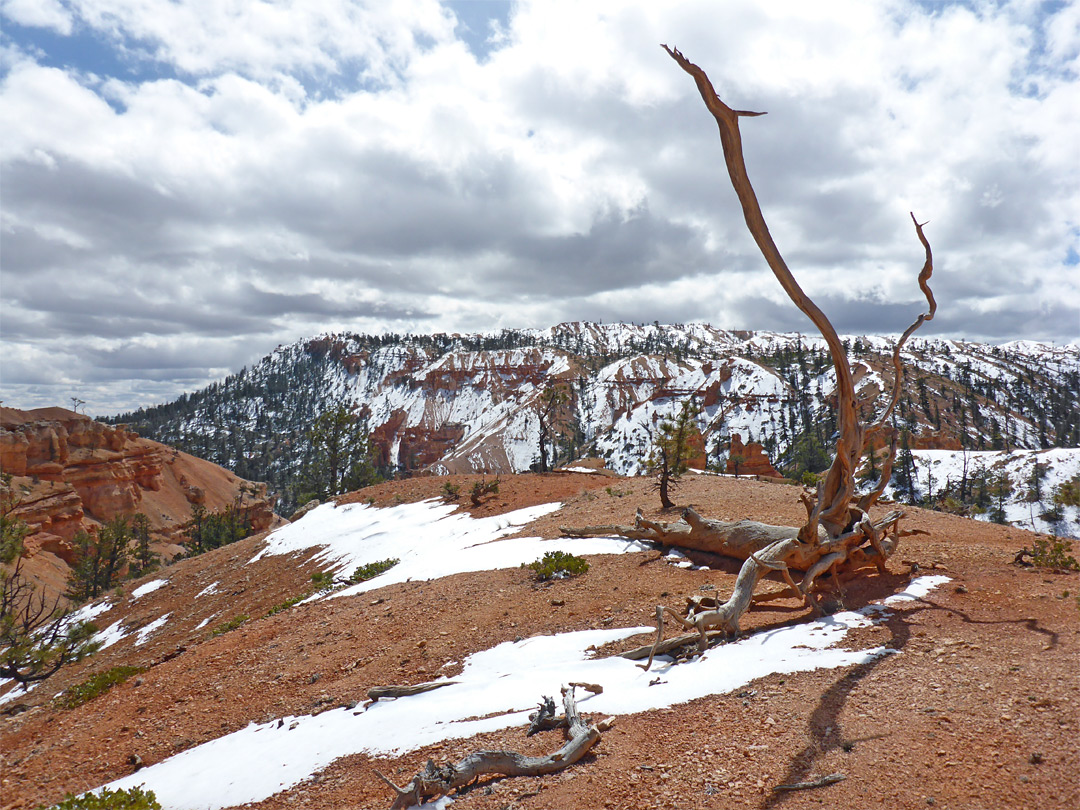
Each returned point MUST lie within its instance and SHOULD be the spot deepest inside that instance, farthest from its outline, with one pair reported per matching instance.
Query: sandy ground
(981, 708)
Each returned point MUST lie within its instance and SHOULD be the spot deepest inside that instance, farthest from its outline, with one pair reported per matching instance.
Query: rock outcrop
(71, 474)
(749, 459)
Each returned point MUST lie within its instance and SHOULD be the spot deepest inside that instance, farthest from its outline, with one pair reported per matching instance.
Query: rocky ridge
(71, 474)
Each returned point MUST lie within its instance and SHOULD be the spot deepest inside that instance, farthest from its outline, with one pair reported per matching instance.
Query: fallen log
(438, 780)
(377, 692)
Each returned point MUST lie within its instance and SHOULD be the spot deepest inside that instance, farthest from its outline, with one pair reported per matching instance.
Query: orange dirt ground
(981, 708)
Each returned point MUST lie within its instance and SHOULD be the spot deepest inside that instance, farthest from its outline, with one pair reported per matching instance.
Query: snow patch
(262, 759)
(145, 632)
(429, 539)
(110, 635)
(19, 691)
(148, 587)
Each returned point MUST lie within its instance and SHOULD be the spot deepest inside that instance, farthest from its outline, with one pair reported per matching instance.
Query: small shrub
(95, 685)
(322, 580)
(131, 799)
(1068, 494)
(288, 603)
(1052, 552)
(616, 493)
(451, 491)
(373, 569)
(482, 488)
(557, 565)
(810, 479)
(232, 624)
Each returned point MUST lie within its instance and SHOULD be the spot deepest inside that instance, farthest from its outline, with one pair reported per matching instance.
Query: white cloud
(208, 37)
(259, 158)
(38, 13)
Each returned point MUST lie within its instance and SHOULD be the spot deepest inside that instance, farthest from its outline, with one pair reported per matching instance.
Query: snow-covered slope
(470, 403)
(1016, 487)
(496, 686)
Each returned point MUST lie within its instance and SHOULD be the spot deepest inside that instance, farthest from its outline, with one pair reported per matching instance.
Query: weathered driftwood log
(434, 780)
(730, 538)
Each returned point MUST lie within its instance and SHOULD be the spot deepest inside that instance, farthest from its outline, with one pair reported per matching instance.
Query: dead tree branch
(377, 692)
(434, 781)
(839, 537)
(831, 779)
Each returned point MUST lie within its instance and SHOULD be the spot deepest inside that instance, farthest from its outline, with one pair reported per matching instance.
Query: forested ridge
(620, 379)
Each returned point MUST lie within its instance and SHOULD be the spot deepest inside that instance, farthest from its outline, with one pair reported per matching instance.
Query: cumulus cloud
(236, 175)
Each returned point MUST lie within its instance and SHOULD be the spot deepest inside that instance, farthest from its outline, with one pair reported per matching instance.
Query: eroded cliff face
(70, 474)
(749, 459)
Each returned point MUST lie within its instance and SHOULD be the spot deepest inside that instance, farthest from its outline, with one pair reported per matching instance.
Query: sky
(187, 184)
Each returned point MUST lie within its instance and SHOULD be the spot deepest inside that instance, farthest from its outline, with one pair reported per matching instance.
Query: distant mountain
(471, 403)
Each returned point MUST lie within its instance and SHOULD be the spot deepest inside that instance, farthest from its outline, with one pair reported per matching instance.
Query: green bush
(131, 799)
(451, 491)
(1068, 494)
(557, 565)
(1053, 552)
(322, 580)
(482, 488)
(95, 685)
(232, 624)
(288, 603)
(373, 569)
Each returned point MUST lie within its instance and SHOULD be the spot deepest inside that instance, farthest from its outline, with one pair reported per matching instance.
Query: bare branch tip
(386, 779)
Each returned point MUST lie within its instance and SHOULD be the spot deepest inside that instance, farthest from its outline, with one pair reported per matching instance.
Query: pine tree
(904, 470)
(341, 453)
(999, 488)
(553, 398)
(143, 559)
(670, 452)
(99, 561)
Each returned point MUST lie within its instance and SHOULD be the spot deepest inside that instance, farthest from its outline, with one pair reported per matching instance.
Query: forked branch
(834, 499)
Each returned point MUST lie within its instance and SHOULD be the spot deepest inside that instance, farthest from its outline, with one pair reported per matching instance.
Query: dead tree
(839, 535)
(434, 781)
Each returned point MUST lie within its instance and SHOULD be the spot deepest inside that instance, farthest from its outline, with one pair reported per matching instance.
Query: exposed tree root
(434, 781)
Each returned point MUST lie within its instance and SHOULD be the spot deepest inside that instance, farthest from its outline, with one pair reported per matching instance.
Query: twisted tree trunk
(838, 536)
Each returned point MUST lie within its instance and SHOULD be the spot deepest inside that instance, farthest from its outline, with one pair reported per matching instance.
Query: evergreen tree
(341, 454)
(36, 637)
(553, 398)
(99, 561)
(143, 560)
(671, 450)
(1000, 487)
(903, 475)
(12, 530)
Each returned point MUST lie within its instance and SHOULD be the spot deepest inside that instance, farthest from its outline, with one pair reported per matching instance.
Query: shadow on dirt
(824, 727)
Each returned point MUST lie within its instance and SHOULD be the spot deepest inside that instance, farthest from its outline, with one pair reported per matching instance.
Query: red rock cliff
(70, 473)
(754, 459)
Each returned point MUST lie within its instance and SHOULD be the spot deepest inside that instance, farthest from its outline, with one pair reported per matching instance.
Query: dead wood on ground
(438, 780)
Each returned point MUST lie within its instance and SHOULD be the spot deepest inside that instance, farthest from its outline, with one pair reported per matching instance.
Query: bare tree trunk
(838, 536)
(834, 497)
